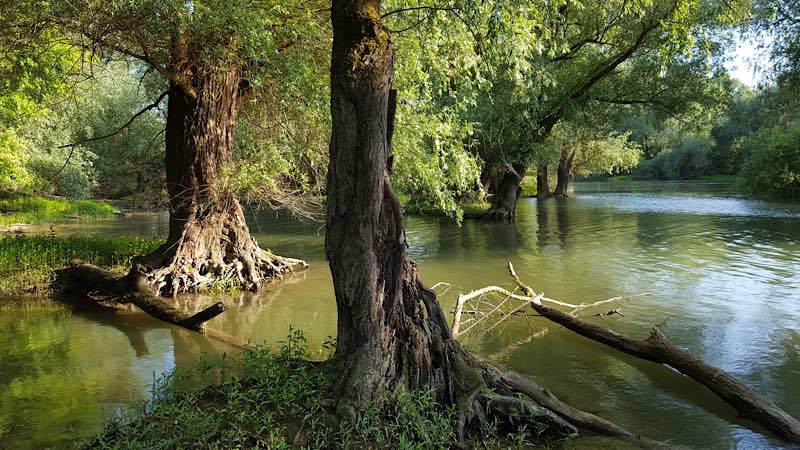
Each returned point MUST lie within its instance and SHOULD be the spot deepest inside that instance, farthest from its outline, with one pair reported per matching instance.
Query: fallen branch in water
(107, 289)
(656, 348)
(518, 310)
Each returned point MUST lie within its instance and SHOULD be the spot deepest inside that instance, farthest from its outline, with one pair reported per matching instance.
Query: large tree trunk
(209, 241)
(504, 200)
(564, 173)
(385, 339)
(392, 333)
(542, 182)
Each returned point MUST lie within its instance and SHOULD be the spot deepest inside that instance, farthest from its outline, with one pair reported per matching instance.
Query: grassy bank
(39, 210)
(27, 263)
(273, 399)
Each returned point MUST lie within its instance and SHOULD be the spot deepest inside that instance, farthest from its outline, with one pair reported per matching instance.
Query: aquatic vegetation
(37, 210)
(27, 263)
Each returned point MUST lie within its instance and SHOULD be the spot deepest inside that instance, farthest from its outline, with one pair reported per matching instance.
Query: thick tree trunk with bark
(489, 180)
(564, 173)
(508, 191)
(392, 333)
(386, 340)
(542, 182)
(209, 241)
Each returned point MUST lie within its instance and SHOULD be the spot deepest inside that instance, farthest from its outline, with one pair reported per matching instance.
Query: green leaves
(773, 168)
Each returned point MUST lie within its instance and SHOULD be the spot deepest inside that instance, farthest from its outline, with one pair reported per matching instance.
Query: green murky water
(724, 273)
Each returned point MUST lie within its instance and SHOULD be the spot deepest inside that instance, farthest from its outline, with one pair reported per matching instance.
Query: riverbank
(28, 263)
(19, 212)
(690, 246)
(276, 398)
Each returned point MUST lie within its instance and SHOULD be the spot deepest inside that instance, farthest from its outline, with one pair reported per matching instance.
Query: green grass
(39, 210)
(274, 398)
(620, 178)
(27, 263)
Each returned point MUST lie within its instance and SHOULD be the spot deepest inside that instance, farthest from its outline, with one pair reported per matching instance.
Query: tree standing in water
(209, 54)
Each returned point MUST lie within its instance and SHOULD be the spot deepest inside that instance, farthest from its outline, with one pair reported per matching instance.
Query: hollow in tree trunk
(542, 182)
(508, 191)
(209, 241)
(564, 173)
(490, 179)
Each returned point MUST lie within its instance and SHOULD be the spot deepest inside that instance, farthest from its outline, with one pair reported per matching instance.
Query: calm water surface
(724, 273)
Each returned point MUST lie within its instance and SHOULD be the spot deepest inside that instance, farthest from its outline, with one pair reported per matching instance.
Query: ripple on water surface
(723, 271)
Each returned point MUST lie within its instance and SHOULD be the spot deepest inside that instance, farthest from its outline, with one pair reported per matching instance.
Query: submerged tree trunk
(504, 200)
(209, 241)
(564, 173)
(542, 182)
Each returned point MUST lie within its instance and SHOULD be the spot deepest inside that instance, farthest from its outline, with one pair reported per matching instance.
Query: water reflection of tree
(60, 373)
(554, 219)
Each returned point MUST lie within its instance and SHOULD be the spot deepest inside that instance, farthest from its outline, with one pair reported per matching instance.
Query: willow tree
(531, 64)
(385, 339)
(210, 54)
(392, 333)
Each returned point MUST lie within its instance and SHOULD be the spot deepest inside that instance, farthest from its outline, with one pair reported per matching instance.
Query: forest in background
(369, 109)
(561, 94)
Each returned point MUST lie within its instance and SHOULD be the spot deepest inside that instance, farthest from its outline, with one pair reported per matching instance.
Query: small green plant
(273, 398)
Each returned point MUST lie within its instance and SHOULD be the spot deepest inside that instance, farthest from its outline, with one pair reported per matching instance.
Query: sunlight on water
(724, 273)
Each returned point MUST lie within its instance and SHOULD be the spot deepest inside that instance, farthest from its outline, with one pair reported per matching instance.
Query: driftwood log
(656, 348)
(512, 382)
(580, 419)
(100, 286)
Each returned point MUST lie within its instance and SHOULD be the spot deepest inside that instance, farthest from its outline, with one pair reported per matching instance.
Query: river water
(723, 271)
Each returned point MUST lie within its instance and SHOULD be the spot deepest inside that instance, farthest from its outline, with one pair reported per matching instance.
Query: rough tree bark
(209, 241)
(564, 173)
(506, 194)
(392, 333)
(542, 182)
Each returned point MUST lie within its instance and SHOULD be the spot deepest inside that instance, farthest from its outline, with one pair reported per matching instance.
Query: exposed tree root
(99, 286)
(517, 412)
(511, 383)
(201, 259)
(575, 416)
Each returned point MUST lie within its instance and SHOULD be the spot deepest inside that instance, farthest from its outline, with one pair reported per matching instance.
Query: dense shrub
(773, 168)
(687, 158)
